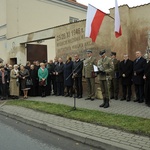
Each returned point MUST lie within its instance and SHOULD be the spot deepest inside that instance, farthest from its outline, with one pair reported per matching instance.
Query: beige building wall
(68, 39)
(26, 16)
(3, 41)
(140, 25)
(135, 23)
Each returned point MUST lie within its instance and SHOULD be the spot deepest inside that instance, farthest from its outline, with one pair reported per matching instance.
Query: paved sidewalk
(109, 139)
(116, 106)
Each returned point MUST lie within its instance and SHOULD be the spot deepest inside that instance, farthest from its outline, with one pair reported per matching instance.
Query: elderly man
(105, 67)
(126, 70)
(89, 75)
(138, 73)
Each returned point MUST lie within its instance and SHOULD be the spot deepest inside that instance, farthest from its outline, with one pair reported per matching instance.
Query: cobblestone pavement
(109, 139)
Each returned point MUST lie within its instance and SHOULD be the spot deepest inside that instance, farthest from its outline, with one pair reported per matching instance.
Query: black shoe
(136, 100)
(92, 99)
(79, 97)
(66, 95)
(128, 99)
(112, 97)
(141, 101)
(122, 99)
(116, 98)
(88, 98)
(103, 104)
(106, 104)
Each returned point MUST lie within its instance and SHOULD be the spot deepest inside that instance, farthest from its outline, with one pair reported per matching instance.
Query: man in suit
(126, 70)
(89, 75)
(138, 73)
(114, 86)
(105, 66)
(59, 73)
(77, 74)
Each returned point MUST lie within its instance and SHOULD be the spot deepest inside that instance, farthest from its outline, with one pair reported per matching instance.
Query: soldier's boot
(107, 103)
(103, 104)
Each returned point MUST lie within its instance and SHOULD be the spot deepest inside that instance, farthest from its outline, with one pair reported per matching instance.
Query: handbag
(29, 82)
(42, 83)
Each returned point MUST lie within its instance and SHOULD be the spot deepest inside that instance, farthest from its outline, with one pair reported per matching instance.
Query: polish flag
(118, 31)
(94, 20)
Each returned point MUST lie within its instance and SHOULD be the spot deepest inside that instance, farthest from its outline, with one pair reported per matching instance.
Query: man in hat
(114, 87)
(88, 73)
(105, 67)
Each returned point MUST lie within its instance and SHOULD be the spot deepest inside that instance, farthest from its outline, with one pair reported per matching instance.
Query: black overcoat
(127, 69)
(78, 67)
(60, 69)
(68, 68)
(138, 68)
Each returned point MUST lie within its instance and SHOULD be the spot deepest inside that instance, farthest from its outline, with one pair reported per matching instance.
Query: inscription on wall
(71, 39)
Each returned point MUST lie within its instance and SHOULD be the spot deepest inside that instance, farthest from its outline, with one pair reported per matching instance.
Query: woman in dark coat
(59, 73)
(147, 81)
(34, 76)
(68, 82)
(24, 75)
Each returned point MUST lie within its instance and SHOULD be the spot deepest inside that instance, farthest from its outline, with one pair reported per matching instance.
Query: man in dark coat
(54, 77)
(138, 73)
(68, 81)
(147, 80)
(59, 73)
(3, 83)
(50, 66)
(77, 74)
(126, 69)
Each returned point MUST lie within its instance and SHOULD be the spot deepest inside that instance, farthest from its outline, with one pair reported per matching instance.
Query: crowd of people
(65, 78)
(111, 71)
(42, 79)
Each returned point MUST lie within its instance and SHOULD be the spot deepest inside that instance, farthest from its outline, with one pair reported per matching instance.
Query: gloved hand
(123, 75)
(101, 68)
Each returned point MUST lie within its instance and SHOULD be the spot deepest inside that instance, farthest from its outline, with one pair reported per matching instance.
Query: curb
(74, 135)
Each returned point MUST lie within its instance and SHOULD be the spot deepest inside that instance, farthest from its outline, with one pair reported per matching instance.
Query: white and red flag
(94, 20)
(118, 31)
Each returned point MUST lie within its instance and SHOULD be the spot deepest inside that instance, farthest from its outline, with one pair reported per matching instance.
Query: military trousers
(91, 87)
(114, 87)
(105, 88)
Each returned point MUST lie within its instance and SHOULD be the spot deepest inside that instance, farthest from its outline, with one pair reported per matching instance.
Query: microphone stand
(74, 87)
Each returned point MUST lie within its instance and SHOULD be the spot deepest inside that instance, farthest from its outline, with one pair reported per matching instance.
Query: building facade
(26, 24)
(20, 20)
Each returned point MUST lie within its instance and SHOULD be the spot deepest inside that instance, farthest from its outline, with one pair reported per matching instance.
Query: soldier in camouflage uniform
(114, 87)
(88, 73)
(105, 67)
